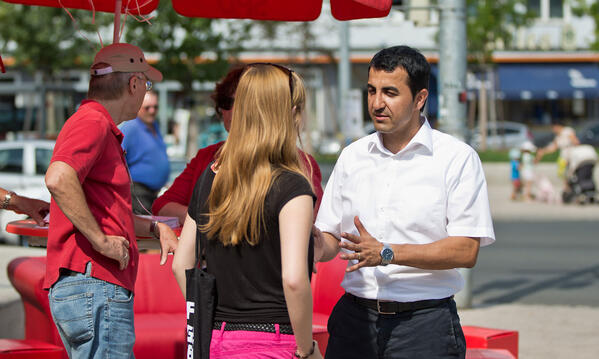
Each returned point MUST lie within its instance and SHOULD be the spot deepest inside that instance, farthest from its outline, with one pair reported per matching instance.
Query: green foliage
(581, 8)
(189, 48)
(43, 38)
(491, 21)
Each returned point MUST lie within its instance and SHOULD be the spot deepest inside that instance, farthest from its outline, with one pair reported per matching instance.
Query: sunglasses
(286, 70)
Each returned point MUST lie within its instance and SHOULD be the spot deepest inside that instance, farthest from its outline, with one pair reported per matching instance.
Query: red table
(38, 235)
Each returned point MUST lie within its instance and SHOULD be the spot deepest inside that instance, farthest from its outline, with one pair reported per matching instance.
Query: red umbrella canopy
(135, 7)
(302, 10)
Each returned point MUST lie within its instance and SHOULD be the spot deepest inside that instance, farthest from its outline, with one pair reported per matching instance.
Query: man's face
(149, 108)
(391, 105)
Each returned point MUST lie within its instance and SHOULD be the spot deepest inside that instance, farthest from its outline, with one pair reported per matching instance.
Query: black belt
(255, 327)
(69, 273)
(383, 307)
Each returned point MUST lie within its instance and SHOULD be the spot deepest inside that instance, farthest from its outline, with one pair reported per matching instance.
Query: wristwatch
(386, 255)
(7, 198)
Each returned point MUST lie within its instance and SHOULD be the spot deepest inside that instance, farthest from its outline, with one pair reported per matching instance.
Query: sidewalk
(545, 331)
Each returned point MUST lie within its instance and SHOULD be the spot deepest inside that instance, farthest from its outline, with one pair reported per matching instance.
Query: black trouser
(360, 332)
(145, 195)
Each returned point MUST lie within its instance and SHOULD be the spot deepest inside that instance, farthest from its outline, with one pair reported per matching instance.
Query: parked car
(504, 135)
(23, 165)
(588, 133)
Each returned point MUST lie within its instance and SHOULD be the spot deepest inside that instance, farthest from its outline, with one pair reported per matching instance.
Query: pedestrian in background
(527, 171)
(514, 156)
(565, 138)
(146, 156)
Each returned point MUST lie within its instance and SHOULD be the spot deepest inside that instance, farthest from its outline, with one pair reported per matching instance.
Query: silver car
(504, 135)
(23, 165)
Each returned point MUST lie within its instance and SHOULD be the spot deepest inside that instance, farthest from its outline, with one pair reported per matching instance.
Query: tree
(582, 7)
(189, 48)
(45, 39)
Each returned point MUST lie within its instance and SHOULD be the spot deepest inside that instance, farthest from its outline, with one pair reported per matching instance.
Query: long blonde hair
(261, 144)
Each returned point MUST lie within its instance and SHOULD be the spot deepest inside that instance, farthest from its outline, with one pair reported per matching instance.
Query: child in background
(527, 168)
(515, 173)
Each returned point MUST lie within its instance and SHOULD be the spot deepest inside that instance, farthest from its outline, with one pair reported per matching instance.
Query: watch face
(387, 254)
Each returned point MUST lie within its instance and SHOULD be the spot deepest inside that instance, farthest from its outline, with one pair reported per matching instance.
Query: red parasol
(306, 10)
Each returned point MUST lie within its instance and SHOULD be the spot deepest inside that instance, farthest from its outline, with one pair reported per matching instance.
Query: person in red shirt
(92, 254)
(175, 200)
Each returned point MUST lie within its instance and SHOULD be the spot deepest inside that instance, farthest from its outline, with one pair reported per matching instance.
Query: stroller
(579, 175)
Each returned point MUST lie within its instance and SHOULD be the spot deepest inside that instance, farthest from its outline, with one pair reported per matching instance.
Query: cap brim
(153, 75)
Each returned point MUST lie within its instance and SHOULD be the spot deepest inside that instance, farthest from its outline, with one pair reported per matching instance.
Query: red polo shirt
(90, 143)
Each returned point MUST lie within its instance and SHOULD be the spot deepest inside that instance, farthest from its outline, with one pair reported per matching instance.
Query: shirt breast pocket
(419, 208)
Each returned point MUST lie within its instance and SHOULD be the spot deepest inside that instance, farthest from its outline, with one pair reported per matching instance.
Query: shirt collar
(423, 139)
(98, 107)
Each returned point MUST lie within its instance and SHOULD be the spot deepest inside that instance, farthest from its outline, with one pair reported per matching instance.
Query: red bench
(29, 349)
(159, 307)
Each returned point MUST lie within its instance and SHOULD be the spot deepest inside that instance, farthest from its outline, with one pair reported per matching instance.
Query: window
(548, 9)
(42, 160)
(534, 6)
(11, 160)
(556, 8)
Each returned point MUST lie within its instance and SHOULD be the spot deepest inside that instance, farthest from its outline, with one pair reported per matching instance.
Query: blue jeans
(359, 332)
(94, 318)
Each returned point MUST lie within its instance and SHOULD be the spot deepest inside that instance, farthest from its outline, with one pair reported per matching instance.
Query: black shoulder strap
(201, 240)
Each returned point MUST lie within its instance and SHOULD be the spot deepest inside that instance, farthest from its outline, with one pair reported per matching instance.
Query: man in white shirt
(407, 205)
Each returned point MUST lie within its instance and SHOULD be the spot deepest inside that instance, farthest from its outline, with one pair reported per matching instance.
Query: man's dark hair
(225, 89)
(409, 59)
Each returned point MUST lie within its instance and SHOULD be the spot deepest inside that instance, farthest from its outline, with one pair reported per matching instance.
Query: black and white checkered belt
(254, 327)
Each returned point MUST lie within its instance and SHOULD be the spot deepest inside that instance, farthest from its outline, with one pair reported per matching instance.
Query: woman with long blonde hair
(257, 218)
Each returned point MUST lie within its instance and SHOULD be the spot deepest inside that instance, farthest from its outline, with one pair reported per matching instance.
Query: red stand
(29, 349)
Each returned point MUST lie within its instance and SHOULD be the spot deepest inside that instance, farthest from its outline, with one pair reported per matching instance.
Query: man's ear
(132, 84)
(421, 97)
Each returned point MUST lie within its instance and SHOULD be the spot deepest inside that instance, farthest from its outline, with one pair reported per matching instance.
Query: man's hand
(115, 247)
(168, 241)
(367, 250)
(34, 208)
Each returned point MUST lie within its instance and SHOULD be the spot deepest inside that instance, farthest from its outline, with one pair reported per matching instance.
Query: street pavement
(539, 278)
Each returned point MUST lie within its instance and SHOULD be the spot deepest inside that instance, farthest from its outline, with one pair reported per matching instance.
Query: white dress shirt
(431, 189)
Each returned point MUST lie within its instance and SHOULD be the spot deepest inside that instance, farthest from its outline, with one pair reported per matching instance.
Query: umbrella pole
(117, 21)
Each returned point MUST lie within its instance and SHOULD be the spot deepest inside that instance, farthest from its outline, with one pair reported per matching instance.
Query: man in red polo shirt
(92, 254)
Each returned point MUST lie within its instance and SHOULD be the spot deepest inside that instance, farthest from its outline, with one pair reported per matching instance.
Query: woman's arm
(295, 224)
(185, 257)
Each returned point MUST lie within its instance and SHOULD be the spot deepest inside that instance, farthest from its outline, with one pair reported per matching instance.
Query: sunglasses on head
(286, 70)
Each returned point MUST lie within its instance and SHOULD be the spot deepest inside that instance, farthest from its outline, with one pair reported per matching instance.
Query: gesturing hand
(367, 250)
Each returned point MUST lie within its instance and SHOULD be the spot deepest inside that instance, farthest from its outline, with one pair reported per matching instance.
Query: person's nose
(377, 102)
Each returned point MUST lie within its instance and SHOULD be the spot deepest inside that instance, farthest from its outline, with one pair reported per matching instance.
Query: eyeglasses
(286, 70)
(148, 82)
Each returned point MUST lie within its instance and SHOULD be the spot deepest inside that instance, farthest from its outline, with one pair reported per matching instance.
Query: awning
(548, 81)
